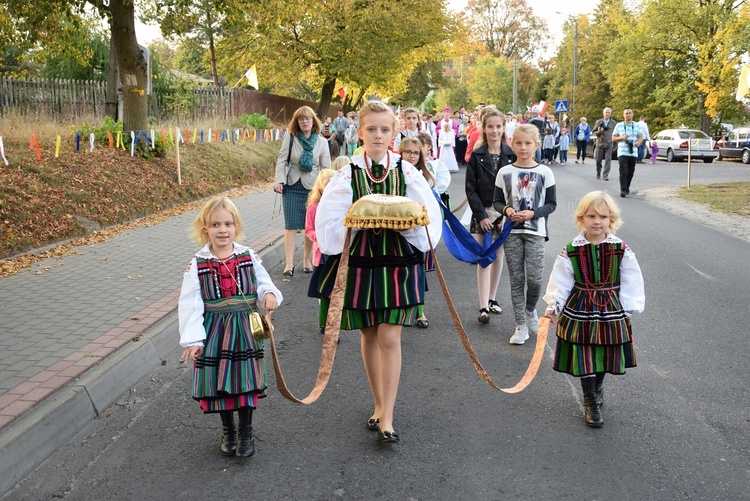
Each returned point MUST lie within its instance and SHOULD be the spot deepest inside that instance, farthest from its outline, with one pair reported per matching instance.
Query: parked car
(673, 145)
(736, 145)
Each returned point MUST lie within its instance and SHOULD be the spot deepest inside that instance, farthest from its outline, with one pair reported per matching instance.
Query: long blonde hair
(598, 200)
(321, 182)
(207, 212)
(376, 107)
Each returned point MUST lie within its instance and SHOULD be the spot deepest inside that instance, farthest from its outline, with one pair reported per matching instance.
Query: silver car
(673, 145)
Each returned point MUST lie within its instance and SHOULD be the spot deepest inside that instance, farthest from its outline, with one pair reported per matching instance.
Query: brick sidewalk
(65, 314)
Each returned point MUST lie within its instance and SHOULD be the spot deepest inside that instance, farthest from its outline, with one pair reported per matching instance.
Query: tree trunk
(329, 84)
(110, 99)
(705, 120)
(212, 49)
(131, 63)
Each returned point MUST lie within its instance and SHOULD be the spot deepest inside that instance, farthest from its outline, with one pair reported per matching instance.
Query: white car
(673, 145)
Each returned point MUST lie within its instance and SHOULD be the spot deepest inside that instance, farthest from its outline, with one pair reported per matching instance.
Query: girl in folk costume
(525, 192)
(447, 142)
(411, 127)
(313, 198)
(221, 286)
(491, 154)
(437, 168)
(385, 279)
(411, 151)
(594, 287)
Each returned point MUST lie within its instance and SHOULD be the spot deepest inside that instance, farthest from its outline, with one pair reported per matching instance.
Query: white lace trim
(205, 252)
(581, 240)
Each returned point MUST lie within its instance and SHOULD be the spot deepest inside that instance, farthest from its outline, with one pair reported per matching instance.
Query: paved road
(675, 427)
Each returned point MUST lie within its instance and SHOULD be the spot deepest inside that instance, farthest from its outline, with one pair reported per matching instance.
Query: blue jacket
(586, 131)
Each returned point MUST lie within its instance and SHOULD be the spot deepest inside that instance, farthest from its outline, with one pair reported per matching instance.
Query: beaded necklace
(377, 180)
(592, 289)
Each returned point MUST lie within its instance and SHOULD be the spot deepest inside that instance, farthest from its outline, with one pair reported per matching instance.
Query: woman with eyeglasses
(303, 153)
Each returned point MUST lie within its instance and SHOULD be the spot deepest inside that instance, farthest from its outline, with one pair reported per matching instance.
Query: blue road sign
(561, 106)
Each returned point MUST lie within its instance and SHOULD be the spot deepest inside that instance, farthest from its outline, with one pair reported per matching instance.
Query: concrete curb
(31, 439)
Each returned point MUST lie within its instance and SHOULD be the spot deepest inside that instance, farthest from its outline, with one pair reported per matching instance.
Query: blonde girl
(526, 193)
(223, 282)
(337, 164)
(385, 279)
(312, 208)
(594, 287)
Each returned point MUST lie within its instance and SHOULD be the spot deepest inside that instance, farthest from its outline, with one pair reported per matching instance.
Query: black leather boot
(246, 446)
(593, 415)
(229, 435)
(600, 389)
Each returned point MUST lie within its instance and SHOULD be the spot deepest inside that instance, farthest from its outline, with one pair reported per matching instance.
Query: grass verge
(730, 198)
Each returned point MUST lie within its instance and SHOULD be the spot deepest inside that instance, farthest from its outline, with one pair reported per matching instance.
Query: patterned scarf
(308, 143)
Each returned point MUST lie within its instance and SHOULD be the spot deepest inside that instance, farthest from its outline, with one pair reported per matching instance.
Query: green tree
(59, 26)
(506, 27)
(67, 66)
(362, 43)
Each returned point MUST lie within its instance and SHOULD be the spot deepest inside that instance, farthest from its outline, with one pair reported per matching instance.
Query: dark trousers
(627, 169)
(461, 145)
(581, 153)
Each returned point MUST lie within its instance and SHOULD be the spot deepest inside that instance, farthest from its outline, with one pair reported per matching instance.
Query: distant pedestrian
(303, 153)
(654, 151)
(629, 138)
(564, 144)
(582, 135)
(525, 192)
(222, 285)
(548, 146)
(447, 141)
(594, 287)
(646, 137)
(603, 129)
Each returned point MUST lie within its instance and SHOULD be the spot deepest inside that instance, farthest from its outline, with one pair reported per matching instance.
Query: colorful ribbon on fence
(119, 142)
(111, 139)
(2, 151)
(34, 143)
(58, 140)
(78, 142)
(92, 140)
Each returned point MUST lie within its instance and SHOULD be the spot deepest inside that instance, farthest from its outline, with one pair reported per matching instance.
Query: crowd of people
(510, 188)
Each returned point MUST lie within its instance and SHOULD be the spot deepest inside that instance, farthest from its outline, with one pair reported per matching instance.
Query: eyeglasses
(304, 119)
(410, 153)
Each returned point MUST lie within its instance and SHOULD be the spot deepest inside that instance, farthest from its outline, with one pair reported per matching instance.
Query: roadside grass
(730, 198)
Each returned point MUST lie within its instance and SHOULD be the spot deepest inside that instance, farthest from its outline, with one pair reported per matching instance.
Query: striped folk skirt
(231, 372)
(385, 282)
(294, 200)
(594, 336)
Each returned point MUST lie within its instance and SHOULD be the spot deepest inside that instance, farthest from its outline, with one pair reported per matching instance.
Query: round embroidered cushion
(386, 211)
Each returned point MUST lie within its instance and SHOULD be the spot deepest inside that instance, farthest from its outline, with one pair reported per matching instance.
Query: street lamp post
(574, 80)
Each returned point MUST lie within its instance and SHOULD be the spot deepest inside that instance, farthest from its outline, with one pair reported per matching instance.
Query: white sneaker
(494, 307)
(520, 335)
(532, 320)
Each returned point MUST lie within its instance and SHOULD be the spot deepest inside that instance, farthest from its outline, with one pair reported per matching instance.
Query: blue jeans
(642, 151)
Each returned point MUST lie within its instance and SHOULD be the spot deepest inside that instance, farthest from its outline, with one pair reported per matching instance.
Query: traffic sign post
(561, 106)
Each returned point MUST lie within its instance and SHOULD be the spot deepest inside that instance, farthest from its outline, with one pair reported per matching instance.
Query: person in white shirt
(646, 137)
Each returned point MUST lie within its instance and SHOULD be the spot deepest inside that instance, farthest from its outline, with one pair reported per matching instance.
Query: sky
(546, 9)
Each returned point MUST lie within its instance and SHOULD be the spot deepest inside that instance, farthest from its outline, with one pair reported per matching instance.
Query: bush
(100, 133)
(257, 121)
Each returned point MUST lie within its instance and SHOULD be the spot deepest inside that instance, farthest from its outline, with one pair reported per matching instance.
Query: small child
(654, 151)
(220, 288)
(447, 140)
(564, 145)
(337, 164)
(313, 198)
(548, 147)
(594, 287)
(525, 192)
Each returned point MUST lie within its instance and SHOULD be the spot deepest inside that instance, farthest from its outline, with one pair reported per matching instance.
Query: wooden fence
(51, 98)
(69, 99)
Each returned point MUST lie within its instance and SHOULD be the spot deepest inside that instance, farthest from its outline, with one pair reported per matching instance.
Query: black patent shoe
(373, 424)
(422, 323)
(388, 437)
(289, 273)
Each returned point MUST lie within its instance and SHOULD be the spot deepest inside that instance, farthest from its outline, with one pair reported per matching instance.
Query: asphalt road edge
(31, 439)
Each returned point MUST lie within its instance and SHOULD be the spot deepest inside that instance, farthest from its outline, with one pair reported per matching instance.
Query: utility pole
(575, 68)
(515, 86)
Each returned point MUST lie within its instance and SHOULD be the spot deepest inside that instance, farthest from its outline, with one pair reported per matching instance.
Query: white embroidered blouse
(337, 198)
(190, 307)
(562, 279)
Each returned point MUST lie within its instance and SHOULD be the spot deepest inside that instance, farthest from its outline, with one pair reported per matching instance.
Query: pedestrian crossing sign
(561, 106)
